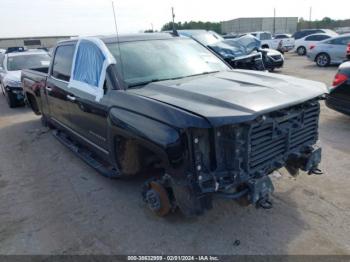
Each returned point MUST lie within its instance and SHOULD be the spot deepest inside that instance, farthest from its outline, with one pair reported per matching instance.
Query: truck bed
(33, 80)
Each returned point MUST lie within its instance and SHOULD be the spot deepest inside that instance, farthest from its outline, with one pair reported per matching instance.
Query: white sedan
(302, 45)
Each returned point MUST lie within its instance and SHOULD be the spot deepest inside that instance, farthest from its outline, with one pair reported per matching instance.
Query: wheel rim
(301, 50)
(322, 60)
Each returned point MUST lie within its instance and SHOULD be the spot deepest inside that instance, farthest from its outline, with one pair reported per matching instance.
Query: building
(342, 30)
(31, 42)
(244, 25)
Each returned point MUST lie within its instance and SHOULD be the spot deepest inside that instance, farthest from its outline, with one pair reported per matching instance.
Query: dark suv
(302, 33)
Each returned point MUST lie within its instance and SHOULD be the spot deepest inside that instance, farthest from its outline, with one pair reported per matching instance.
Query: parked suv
(302, 33)
(11, 64)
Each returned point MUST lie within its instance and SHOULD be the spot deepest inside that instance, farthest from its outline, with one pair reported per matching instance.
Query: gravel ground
(53, 203)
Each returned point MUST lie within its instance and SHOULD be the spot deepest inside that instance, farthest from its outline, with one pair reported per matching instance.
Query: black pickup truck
(168, 105)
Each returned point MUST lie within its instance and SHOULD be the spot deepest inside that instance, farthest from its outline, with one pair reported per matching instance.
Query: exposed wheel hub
(157, 199)
(153, 200)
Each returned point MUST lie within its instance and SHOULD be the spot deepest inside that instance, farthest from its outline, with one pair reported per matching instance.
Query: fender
(166, 142)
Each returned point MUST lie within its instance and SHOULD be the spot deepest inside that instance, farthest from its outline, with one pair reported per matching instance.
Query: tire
(11, 100)
(31, 102)
(46, 122)
(323, 60)
(2, 90)
(301, 50)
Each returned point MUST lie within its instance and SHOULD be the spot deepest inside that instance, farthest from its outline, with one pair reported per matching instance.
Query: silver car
(329, 51)
(11, 64)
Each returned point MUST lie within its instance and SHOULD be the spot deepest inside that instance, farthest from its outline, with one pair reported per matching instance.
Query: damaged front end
(234, 161)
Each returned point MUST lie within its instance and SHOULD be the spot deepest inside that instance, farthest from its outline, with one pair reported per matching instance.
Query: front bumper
(274, 61)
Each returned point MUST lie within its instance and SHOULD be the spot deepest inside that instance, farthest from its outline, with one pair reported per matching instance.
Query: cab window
(62, 64)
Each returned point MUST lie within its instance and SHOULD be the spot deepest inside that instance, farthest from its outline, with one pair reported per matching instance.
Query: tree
(193, 25)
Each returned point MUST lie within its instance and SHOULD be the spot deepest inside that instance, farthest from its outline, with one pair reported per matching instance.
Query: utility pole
(173, 17)
(310, 16)
(274, 21)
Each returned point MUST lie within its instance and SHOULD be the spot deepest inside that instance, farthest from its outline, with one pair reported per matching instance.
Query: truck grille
(281, 134)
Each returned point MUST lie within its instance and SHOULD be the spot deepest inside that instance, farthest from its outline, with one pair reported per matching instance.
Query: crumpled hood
(233, 96)
(226, 50)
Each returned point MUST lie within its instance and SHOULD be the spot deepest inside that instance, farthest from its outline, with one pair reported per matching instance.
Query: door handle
(71, 98)
(48, 89)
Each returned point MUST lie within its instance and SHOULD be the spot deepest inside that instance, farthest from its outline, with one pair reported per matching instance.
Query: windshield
(156, 60)
(20, 62)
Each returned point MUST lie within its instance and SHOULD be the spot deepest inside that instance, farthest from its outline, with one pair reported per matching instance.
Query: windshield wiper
(146, 82)
(166, 79)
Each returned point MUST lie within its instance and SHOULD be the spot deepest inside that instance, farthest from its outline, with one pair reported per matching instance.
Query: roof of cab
(107, 39)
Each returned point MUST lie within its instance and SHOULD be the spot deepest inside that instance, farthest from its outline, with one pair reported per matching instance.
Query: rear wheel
(46, 122)
(323, 60)
(2, 89)
(301, 50)
(31, 101)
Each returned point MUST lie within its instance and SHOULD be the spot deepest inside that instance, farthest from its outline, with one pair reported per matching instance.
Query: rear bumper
(340, 105)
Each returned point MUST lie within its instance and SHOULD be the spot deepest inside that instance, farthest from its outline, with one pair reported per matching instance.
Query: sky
(19, 18)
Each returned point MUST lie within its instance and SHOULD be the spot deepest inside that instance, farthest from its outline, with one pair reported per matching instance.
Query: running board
(86, 156)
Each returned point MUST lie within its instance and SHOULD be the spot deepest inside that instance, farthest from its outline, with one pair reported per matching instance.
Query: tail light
(348, 49)
(312, 47)
(339, 79)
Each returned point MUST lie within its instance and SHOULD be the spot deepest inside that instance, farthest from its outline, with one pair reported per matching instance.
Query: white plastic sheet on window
(90, 62)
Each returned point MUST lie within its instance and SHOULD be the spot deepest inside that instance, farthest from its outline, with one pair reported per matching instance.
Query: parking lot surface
(53, 203)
